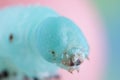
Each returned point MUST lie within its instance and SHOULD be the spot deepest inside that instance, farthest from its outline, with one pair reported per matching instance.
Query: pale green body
(21, 23)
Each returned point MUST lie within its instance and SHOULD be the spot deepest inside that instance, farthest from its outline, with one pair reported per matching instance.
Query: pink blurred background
(84, 14)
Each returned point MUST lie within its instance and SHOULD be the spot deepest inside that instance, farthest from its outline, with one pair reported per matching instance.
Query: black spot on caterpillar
(53, 52)
(11, 37)
(4, 74)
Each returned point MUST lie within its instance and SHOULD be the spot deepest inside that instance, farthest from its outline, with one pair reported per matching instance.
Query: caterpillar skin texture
(37, 40)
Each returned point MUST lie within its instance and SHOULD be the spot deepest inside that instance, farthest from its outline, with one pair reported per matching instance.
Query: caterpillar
(36, 41)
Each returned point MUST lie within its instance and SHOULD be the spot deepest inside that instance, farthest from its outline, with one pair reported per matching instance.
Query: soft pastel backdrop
(110, 10)
(100, 22)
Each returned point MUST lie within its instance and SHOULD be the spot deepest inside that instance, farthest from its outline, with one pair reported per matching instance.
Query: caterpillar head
(60, 41)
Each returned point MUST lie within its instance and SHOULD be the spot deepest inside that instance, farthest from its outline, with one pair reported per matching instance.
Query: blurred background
(99, 20)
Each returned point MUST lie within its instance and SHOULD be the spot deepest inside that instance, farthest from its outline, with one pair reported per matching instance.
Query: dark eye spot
(53, 52)
(11, 37)
(78, 62)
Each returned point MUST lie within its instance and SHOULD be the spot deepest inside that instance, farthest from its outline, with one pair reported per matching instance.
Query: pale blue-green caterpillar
(37, 41)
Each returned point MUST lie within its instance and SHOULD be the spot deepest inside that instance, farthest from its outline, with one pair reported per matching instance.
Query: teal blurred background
(110, 11)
